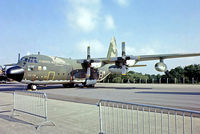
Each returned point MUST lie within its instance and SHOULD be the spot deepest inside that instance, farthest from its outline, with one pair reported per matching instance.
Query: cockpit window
(29, 60)
(32, 60)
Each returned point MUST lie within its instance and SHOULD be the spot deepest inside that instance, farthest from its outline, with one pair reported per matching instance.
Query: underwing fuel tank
(116, 70)
(160, 67)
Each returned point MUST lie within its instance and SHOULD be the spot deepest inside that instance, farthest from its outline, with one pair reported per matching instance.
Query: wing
(112, 60)
(126, 61)
(162, 56)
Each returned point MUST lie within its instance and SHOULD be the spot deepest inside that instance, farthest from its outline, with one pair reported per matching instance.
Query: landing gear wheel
(31, 87)
(34, 87)
(70, 85)
(87, 86)
(90, 86)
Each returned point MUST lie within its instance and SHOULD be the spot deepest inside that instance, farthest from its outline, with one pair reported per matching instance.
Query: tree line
(187, 74)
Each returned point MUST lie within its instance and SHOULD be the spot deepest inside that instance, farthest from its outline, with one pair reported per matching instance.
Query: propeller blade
(88, 73)
(123, 50)
(138, 66)
(1, 70)
(123, 69)
(18, 57)
(88, 53)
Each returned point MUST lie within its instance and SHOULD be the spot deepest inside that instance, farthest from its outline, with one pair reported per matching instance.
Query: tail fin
(112, 51)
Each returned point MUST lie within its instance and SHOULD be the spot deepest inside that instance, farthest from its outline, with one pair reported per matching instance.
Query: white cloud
(84, 14)
(87, 16)
(123, 3)
(109, 22)
(97, 49)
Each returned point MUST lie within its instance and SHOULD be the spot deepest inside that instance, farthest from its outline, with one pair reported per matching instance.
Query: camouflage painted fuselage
(41, 69)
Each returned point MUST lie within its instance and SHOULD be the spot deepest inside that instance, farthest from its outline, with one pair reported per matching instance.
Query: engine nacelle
(116, 70)
(130, 63)
(96, 64)
(161, 67)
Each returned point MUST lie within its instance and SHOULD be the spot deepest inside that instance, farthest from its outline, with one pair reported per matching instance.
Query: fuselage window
(30, 68)
(44, 68)
(39, 68)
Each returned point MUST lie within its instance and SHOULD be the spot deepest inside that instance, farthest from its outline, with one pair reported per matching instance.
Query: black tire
(70, 85)
(29, 86)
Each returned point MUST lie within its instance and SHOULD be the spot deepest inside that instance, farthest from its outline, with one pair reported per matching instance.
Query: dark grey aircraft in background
(40, 69)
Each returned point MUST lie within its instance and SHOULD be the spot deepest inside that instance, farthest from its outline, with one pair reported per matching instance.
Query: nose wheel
(31, 87)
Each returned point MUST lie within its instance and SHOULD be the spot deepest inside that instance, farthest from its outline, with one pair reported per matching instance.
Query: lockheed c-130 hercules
(39, 69)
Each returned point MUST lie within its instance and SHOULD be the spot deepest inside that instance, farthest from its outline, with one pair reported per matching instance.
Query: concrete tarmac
(170, 95)
(82, 117)
(185, 96)
(69, 118)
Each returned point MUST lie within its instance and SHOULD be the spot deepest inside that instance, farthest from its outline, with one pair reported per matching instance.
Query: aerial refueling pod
(116, 69)
(161, 67)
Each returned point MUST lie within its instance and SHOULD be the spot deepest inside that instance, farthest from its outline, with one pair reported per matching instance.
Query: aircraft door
(51, 76)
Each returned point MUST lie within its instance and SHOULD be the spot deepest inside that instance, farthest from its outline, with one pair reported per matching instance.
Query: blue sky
(65, 27)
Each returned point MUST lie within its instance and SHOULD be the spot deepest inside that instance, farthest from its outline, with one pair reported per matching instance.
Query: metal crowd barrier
(131, 118)
(32, 103)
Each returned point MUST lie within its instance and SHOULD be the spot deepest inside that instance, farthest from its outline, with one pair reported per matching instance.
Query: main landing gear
(90, 83)
(69, 85)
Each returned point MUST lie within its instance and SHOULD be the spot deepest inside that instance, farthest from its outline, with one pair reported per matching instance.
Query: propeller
(19, 57)
(123, 59)
(88, 63)
(2, 70)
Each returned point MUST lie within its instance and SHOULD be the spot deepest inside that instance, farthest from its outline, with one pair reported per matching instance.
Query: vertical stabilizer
(112, 51)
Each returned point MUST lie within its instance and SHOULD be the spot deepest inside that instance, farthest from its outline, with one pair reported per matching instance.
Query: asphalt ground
(171, 95)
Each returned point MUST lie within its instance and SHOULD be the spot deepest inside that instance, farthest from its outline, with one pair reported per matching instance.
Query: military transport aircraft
(40, 69)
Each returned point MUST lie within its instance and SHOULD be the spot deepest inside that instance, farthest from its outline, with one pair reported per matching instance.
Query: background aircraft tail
(112, 51)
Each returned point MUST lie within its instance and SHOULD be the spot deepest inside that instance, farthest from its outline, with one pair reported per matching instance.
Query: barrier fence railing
(32, 103)
(130, 118)
(158, 81)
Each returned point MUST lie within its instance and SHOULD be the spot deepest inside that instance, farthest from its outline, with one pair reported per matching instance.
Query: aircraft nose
(15, 73)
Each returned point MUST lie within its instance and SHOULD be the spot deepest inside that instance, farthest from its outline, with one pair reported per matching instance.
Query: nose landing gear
(32, 87)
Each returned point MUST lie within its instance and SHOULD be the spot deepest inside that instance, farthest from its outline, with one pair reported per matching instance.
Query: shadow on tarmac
(171, 93)
(24, 87)
(12, 88)
(12, 119)
(122, 88)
